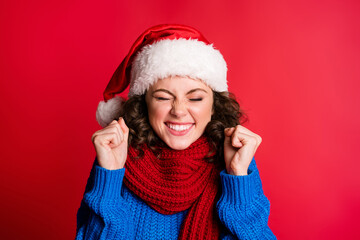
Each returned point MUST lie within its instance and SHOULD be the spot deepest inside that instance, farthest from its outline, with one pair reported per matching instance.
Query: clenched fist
(111, 145)
(240, 145)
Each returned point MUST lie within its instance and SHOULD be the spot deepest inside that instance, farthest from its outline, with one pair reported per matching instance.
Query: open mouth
(179, 127)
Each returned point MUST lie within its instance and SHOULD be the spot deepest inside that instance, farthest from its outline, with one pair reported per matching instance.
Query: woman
(190, 171)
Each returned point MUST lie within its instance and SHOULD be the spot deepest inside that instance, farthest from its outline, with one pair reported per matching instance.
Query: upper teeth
(179, 127)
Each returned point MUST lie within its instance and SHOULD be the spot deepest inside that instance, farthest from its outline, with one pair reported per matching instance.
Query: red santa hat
(160, 52)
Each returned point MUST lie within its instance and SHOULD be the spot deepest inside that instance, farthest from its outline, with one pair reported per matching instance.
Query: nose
(178, 109)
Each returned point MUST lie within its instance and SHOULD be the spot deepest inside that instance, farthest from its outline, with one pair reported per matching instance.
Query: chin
(179, 144)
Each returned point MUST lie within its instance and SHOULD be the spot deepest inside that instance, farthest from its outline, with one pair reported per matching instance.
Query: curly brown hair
(227, 113)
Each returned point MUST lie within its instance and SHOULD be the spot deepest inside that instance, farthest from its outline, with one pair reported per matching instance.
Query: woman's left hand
(240, 145)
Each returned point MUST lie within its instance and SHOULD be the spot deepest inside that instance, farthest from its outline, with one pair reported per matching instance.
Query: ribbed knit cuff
(238, 189)
(107, 183)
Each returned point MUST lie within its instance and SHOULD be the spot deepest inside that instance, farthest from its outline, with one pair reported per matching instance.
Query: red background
(293, 65)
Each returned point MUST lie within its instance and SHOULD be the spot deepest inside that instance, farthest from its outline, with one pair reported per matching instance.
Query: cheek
(157, 113)
(203, 113)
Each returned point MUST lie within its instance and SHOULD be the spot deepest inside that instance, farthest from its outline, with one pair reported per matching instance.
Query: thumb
(228, 132)
(124, 128)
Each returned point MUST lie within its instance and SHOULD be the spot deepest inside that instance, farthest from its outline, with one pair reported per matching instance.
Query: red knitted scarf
(176, 181)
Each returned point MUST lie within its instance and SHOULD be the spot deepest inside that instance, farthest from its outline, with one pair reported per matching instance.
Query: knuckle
(95, 139)
(111, 124)
(253, 140)
(115, 134)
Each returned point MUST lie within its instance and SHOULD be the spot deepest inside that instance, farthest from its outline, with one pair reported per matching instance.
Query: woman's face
(179, 109)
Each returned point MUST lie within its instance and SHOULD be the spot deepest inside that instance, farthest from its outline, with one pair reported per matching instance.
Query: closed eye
(161, 98)
(196, 99)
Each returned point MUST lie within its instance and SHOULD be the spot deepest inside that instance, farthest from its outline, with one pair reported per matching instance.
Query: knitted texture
(176, 181)
(105, 214)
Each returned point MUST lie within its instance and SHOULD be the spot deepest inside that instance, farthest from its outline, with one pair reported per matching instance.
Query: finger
(113, 127)
(243, 129)
(229, 131)
(124, 128)
(237, 139)
(227, 136)
(119, 132)
(107, 140)
(241, 139)
(99, 132)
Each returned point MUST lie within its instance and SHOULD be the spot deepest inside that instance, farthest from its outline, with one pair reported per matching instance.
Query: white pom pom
(108, 111)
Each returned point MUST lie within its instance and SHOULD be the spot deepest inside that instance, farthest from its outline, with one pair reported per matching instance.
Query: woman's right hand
(111, 145)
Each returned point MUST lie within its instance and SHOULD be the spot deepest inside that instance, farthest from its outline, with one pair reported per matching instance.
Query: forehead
(179, 84)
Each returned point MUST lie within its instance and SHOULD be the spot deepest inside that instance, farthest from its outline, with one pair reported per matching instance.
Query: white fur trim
(108, 111)
(181, 57)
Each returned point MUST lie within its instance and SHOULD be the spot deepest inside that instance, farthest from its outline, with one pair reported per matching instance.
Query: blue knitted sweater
(109, 210)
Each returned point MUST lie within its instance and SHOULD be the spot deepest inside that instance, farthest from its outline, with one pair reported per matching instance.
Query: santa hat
(160, 52)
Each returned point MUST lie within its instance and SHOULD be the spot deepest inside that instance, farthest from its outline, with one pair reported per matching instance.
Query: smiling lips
(179, 129)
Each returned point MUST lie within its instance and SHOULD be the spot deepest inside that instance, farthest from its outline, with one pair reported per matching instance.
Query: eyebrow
(191, 91)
